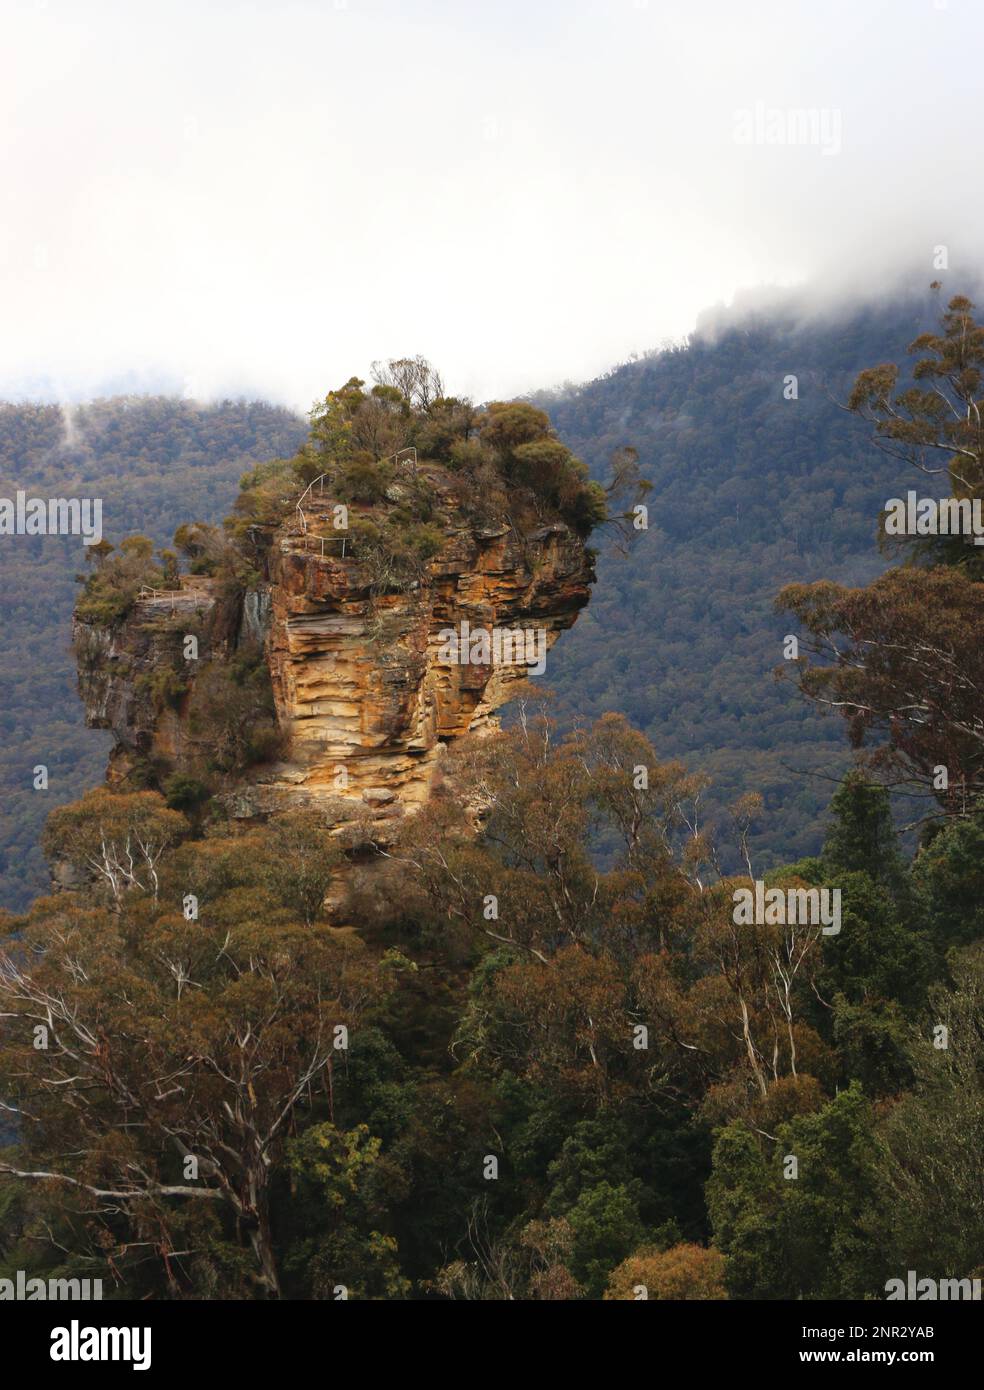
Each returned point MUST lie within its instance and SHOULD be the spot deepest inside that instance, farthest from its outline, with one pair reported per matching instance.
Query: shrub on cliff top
(510, 461)
(111, 588)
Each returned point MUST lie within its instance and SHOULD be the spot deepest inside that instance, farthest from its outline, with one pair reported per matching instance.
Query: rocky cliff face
(365, 684)
(120, 671)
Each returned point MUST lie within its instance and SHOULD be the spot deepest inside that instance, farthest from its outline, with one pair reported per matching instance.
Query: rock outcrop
(364, 692)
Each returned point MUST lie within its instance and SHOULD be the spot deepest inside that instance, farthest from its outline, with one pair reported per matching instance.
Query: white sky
(261, 196)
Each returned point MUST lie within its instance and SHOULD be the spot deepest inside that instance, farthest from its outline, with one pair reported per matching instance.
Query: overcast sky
(261, 197)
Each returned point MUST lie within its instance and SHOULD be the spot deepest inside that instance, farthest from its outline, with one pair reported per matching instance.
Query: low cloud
(262, 198)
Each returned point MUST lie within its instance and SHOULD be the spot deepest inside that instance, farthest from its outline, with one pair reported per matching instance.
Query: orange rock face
(361, 677)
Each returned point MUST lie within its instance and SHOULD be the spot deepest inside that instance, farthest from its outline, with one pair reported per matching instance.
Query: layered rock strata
(361, 680)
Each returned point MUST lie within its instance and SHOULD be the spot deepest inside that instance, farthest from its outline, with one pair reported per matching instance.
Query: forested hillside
(150, 459)
(750, 491)
(448, 1055)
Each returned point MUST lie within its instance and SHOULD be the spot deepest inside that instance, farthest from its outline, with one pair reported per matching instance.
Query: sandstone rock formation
(359, 685)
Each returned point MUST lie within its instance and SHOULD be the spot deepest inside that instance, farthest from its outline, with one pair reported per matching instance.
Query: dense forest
(521, 1069)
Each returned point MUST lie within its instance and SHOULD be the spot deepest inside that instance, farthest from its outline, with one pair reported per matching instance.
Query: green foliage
(861, 836)
(949, 871)
(267, 494)
(238, 1007)
(184, 793)
(873, 1044)
(606, 1225)
(362, 480)
(394, 553)
(111, 588)
(523, 1051)
(932, 416)
(331, 422)
(338, 1188)
(876, 972)
(809, 1236)
(529, 455)
(877, 954)
(929, 1196)
(164, 686)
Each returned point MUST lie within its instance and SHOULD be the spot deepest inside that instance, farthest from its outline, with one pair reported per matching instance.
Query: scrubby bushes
(231, 713)
(164, 685)
(394, 554)
(111, 588)
(510, 462)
